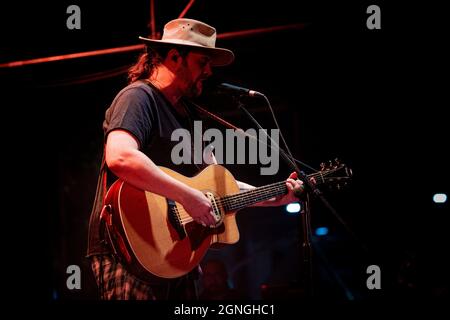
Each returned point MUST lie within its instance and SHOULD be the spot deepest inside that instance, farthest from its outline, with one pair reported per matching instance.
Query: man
(138, 127)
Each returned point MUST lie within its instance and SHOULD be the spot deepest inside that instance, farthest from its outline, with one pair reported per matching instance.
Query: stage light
(293, 207)
(322, 231)
(440, 198)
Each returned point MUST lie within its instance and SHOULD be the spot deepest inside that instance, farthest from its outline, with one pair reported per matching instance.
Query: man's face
(196, 67)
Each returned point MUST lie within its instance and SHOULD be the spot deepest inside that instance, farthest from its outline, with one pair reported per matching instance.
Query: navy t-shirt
(144, 112)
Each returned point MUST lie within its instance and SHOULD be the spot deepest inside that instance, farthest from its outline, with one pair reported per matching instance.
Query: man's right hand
(199, 207)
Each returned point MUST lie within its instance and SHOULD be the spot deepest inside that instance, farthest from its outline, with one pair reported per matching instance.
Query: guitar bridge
(217, 213)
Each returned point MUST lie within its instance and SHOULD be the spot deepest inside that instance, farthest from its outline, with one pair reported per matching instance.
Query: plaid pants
(116, 283)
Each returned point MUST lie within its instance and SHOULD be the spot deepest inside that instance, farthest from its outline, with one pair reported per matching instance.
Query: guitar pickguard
(174, 219)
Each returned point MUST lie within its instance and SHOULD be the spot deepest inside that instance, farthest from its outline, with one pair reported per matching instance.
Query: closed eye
(203, 62)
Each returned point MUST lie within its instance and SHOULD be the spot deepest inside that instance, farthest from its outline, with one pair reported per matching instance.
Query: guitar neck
(245, 199)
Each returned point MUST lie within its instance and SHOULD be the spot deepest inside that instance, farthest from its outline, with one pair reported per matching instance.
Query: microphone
(239, 90)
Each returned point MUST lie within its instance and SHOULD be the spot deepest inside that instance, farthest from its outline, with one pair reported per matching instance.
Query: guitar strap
(106, 223)
(106, 228)
(103, 180)
(215, 117)
(220, 120)
(101, 194)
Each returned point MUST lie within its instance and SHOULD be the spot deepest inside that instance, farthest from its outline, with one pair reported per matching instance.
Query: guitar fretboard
(242, 200)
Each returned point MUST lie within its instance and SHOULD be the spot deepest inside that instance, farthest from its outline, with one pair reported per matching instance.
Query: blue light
(322, 231)
(293, 207)
(440, 198)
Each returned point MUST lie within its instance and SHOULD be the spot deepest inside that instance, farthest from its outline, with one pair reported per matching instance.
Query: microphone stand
(305, 213)
(310, 188)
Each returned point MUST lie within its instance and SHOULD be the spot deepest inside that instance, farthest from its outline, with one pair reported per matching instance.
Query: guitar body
(148, 233)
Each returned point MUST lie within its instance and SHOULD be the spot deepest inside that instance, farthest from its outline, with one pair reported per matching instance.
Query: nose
(208, 70)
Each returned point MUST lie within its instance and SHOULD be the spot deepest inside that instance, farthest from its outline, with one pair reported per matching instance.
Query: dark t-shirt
(143, 111)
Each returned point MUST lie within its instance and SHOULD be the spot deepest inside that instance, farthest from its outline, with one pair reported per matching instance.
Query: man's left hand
(294, 186)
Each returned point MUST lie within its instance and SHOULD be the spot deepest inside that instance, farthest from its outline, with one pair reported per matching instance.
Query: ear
(173, 55)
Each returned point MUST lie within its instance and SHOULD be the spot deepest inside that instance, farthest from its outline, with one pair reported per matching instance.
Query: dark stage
(375, 99)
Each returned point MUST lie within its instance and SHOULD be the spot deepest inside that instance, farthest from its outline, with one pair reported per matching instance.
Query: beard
(194, 86)
(195, 89)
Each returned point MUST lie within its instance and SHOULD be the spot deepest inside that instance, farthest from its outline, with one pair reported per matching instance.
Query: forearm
(137, 169)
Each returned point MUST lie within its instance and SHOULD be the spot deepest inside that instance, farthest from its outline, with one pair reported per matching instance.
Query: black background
(373, 98)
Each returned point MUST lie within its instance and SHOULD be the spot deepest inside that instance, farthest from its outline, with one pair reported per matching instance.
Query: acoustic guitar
(156, 238)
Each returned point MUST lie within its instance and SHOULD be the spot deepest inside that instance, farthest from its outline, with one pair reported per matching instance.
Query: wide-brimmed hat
(195, 34)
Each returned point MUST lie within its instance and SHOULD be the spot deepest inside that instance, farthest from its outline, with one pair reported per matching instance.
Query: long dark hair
(148, 60)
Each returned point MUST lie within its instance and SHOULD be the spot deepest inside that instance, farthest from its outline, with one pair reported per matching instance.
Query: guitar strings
(251, 194)
(243, 203)
(249, 197)
(244, 199)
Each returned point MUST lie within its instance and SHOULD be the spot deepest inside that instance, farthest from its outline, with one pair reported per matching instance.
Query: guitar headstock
(333, 173)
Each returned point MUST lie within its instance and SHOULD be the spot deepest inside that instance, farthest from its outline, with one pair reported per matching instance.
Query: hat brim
(219, 56)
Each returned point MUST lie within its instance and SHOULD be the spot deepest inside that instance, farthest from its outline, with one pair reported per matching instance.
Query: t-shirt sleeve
(134, 111)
